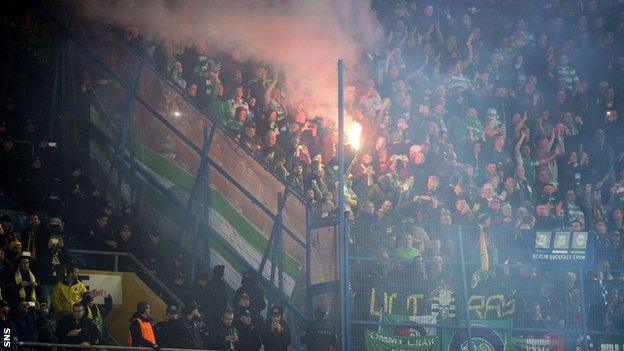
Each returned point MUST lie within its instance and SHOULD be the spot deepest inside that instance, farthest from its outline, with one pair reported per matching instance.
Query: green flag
(414, 325)
(484, 335)
(379, 342)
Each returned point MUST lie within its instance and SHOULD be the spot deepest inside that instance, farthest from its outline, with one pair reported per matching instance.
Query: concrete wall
(133, 290)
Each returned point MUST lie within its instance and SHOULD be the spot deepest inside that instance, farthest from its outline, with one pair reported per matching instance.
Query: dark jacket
(218, 332)
(217, 298)
(171, 334)
(89, 331)
(249, 286)
(193, 332)
(248, 337)
(47, 270)
(319, 336)
(27, 325)
(274, 341)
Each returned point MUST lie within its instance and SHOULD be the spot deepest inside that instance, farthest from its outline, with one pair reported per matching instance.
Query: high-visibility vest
(146, 332)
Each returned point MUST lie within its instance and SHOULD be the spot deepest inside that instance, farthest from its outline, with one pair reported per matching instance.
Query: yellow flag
(485, 257)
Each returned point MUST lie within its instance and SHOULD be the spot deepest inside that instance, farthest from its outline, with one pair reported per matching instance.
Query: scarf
(22, 290)
(32, 233)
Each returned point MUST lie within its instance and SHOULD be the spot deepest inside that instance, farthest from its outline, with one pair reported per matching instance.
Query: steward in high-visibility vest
(141, 332)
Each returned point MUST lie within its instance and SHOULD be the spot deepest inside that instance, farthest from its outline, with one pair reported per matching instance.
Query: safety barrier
(143, 269)
(145, 141)
(54, 346)
(444, 285)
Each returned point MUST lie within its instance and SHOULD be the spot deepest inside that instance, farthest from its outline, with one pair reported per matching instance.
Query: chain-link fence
(415, 287)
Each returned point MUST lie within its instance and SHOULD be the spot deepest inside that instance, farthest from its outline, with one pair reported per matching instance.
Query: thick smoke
(300, 37)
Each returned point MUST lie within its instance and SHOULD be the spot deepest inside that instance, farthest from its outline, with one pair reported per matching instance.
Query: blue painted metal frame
(155, 71)
(125, 142)
(190, 144)
(187, 141)
(583, 310)
(200, 185)
(302, 316)
(274, 246)
(309, 295)
(342, 227)
(174, 199)
(280, 208)
(462, 256)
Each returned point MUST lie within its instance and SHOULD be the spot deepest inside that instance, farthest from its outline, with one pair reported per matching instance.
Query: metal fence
(186, 175)
(424, 287)
(56, 346)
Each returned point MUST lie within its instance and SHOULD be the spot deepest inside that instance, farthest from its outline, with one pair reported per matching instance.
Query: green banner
(380, 342)
(414, 325)
(529, 344)
(484, 335)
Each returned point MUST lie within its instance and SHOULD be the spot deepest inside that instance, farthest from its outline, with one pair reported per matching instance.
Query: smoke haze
(302, 38)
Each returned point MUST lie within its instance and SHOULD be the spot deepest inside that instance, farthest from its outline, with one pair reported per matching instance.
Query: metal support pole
(342, 233)
(583, 310)
(200, 185)
(121, 148)
(568, 340)
(132, 152)
(207, 198)
(308, 247)
(280, 260)
(197, 183)
(271, 292)
(465, 285)
(194, 249)
(270, 243)
(124, 135)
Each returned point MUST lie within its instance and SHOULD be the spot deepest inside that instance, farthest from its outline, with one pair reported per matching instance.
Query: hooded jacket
(65, 294)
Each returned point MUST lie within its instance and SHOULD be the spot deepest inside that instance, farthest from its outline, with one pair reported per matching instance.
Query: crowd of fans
(499, 116)
(48, 207)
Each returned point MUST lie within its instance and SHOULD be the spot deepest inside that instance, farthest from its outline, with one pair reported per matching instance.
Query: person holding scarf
(25, 281)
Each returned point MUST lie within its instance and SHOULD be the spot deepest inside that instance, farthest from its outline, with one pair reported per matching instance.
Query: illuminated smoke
(303, 38)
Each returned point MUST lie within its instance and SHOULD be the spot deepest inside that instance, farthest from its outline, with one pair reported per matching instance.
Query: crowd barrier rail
(116, 255)
(56, 346)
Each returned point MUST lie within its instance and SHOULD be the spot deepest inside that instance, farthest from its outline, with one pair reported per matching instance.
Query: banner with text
(562, 247)
(380, 342)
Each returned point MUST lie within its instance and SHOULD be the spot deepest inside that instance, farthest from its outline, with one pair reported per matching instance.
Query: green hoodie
(219, 109)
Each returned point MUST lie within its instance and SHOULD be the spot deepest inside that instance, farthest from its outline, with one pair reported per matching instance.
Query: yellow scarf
(22, 290)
